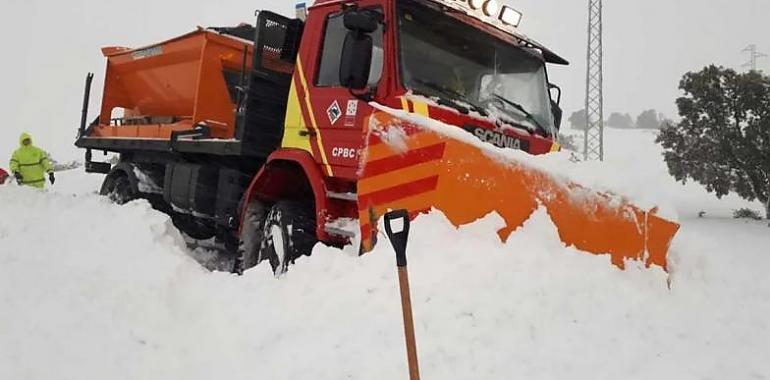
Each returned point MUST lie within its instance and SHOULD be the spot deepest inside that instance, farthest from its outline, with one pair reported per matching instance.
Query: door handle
(307, 133)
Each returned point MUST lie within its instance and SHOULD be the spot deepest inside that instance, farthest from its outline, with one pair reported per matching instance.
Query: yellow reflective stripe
(555, 147)
(32, 164)
(295, 123)
(404, 104)
(309, 106)
(421, 108)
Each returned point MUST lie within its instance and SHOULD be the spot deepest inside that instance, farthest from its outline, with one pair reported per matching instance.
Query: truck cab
(451, 61)
(461, 64)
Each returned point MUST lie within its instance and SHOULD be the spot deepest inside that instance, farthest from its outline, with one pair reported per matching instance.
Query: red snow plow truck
(273, 137)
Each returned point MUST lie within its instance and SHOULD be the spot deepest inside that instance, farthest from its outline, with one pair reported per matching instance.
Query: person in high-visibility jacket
(30, 164)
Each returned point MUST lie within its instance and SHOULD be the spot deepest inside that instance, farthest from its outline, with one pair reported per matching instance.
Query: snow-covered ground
(91, 290)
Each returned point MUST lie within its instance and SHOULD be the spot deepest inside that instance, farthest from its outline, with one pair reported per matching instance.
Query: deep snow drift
(92, 290)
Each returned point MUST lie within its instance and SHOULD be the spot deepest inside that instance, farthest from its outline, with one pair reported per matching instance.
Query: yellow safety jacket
(31, 162)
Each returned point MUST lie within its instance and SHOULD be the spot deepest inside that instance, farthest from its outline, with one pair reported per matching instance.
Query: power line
(594, 133)
(754, 56)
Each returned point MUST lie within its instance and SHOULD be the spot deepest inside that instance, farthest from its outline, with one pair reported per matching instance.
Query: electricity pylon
(594, 133)
(754, 55)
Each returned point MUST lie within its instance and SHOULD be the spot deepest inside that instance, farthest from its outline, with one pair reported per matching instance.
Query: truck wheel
(118, 189)
(251, 235)
(289, 232)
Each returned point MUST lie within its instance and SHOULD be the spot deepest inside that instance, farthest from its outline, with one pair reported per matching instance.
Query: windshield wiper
(453, 96)
(524, 111)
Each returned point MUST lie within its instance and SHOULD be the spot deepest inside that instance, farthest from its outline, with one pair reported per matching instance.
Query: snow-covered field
(91, 290)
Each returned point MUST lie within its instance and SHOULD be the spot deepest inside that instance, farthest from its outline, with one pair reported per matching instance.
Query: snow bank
(634, 160)
(93, 290)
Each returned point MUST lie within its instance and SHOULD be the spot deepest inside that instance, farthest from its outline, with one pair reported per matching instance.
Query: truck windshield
(443, 57)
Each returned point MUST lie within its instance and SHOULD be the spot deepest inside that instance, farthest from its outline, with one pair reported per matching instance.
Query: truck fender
(278, 178)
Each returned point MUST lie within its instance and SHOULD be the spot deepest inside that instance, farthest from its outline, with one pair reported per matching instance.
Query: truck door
(339, 114)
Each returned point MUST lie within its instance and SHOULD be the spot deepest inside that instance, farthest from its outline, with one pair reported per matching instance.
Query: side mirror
(356, 61)
(557, 114)
(357, 50)
(361, 21)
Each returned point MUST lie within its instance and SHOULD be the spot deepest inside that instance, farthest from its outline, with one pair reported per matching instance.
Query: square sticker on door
(352, 108)
(350, 113)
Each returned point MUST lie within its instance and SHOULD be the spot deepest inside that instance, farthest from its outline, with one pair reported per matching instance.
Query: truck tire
(251, 236)
(117, 188)
(288, 233)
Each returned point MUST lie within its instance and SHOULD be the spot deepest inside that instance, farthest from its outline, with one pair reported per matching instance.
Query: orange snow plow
(417, 168)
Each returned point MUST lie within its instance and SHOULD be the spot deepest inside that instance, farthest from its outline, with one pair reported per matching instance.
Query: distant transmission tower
(754, 55)
(594, 134)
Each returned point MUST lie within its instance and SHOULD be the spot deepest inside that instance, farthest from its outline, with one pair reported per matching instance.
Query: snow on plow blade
(418, 168)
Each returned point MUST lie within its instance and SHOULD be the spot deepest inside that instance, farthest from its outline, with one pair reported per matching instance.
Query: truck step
(351, 197)
(344, 227)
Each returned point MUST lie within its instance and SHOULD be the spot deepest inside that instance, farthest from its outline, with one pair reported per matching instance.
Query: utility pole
(594, 133)
(754, 55)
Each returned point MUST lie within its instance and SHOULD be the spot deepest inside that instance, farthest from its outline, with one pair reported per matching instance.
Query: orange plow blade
(418, 169)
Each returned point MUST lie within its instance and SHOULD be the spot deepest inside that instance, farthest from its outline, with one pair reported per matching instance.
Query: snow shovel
(397, 227)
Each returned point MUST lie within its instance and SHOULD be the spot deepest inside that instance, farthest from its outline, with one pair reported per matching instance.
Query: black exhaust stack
(86, 99)
(91, 167)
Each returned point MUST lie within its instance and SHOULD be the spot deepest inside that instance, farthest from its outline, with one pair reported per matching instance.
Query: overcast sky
(48, 46)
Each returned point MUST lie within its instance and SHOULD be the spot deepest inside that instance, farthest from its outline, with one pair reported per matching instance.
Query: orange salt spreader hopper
(426, 169)
(172, 86)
